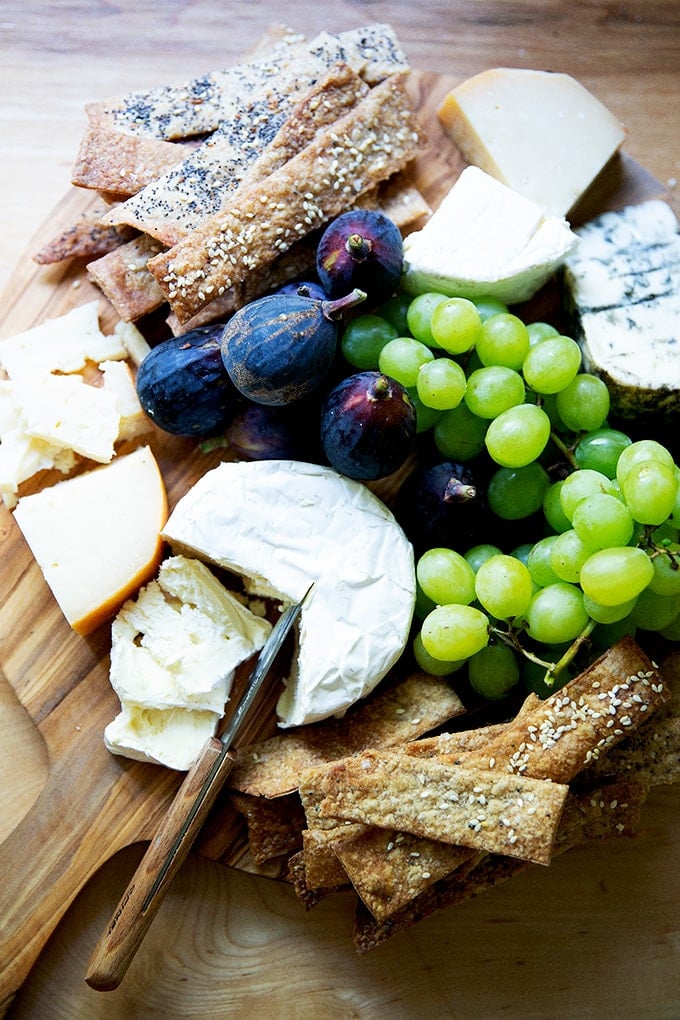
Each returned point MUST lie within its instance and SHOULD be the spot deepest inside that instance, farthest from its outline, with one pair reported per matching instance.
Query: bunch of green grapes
(607, 560)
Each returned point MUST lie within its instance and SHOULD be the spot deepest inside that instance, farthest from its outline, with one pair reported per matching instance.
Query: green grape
(608, 614)
(538, 562)
(445, 576)
(428, 663)
(426, 417)
(394, 310)
(568, 553)
(581, 483)
(650, 488)
(671, 632)
(503, 340)
(423, 603)
(455, 632)
(540, 331)
(516, 493)
(477, 554)
(521, 552)
(518, 435)
(556, 614)
(363, 340)
(675, 512)
(653, 611)
(488, 306)
(666, 563)
(493, 672)
(441, 384)
(552, 364)
(402, 358)
(602, 520)
(455, 325)
(503, 587)
(459, 434)
(419, 316)
(492, 390)
(552, 508)
(584, 404)
(612, 576)
(641, 451)
(600, 450)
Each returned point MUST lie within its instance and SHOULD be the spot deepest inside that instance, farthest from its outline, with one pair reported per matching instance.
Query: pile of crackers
(210, 193)
(401, 805)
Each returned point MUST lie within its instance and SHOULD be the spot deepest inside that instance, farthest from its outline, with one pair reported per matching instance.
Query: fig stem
(358, 247)
(333, 309)
(458, 492)
(381, 388)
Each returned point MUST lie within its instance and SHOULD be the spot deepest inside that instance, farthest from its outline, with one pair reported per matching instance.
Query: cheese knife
(168, 849)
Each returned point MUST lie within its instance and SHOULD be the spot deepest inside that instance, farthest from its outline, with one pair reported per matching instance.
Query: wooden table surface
(602, 937)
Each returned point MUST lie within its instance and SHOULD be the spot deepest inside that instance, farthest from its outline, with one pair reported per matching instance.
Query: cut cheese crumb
(96, 537)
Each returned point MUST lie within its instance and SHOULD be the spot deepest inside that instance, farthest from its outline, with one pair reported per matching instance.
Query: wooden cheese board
(94, 804)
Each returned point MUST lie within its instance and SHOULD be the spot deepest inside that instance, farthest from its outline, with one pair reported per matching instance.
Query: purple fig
(368, 426)
(360, 248)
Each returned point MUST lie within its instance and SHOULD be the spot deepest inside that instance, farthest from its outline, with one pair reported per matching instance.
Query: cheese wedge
(96, 537)
(540, 132)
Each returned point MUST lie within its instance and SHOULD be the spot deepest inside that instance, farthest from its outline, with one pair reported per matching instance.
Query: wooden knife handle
(168, 849)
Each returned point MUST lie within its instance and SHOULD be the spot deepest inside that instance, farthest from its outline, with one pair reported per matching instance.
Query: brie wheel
(284, 525)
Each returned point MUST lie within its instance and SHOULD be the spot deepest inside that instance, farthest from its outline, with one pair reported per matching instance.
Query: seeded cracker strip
(171, 207)
(651, 755)
(476, 808)
(604, 813)
(392, 715)
(86, 238)
(376, 139)
(274, 826)
(124, 279)
(556, 738)
(123, 164)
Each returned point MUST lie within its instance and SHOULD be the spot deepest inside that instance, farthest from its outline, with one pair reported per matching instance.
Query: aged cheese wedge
(486, 240)
(96, 537)
(285, 524)
(540, 132)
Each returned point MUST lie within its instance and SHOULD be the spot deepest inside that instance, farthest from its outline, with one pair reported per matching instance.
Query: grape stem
(565, 450)
(552, 669)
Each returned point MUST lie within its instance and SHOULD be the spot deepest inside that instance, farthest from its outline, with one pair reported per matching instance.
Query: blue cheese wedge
(486, 240)
(174, 652)
(622, 291)
(283, 525)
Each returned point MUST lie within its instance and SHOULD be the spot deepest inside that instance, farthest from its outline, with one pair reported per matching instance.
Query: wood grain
(605, 938)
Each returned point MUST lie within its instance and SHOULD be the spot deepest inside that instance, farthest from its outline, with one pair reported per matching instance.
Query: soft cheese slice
(540, 132)
(96, 537)
(486, 240)
(64, 411)
(23, 456)
(179, 642)
(64, 344)
(622, 289)
(285, 524)
(173, 737)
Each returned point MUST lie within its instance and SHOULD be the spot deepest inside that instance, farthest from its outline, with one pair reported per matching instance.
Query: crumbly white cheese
(486, 240)
(174, 652)
(622, 288)
(284, 525)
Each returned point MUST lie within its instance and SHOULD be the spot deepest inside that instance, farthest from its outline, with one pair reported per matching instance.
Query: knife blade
(168, 849)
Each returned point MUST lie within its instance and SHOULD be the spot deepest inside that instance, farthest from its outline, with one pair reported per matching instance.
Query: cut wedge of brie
(283, 525)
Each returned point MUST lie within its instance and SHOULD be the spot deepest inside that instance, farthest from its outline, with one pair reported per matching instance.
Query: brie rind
(485, 240)
(283, 525)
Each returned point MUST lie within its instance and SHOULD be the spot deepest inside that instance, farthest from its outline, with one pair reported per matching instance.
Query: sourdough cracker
(476, 808)
(607, 812)
(274, 826)
(84, 238)
(393, 714)
(376, 139)
(121, 164)
(124, 279)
